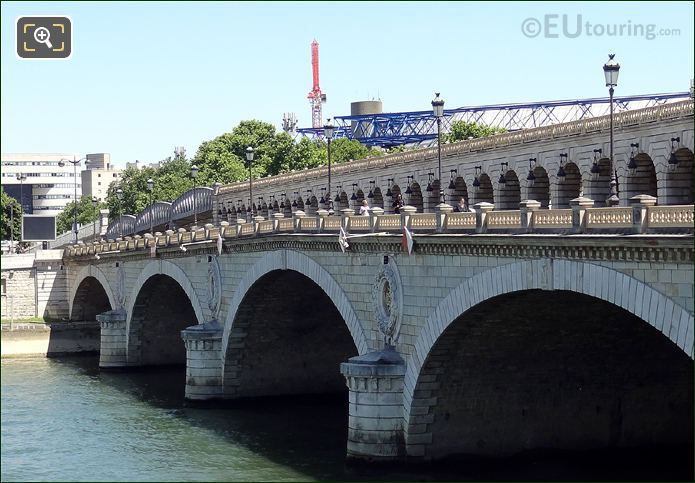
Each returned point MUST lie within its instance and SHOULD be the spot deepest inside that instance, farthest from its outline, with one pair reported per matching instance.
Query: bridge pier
(112, 352)
(203, 361)
(375, 428)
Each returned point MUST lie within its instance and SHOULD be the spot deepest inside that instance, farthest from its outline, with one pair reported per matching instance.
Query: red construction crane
(315, 96)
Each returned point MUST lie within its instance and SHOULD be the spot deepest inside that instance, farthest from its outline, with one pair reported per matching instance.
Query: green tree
(171, 179)
(11, 210)
(87, 212)
(461, 130)
(344, 149)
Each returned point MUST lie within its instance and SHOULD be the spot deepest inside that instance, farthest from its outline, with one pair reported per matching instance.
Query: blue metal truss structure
(420, 127)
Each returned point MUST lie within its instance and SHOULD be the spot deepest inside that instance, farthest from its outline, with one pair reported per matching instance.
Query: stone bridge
(475, 343)
(543, 319)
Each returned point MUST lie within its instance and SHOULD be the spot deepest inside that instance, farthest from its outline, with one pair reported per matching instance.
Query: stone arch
(415, 197)
(431, 197)
(164, 267)
(357, 202)
(590, 279)
(569, 187)
(540, 190)
(313, 206)
(95, 272)
(484, 192)
(460, 191)
(161, 310)
(264, 210)
(286, 207)
(675, 182)
(395, 191)
(509, 192)
(344, 202)
(597, 186)
(298, 262)
(641, 182)
(299, 203)
(378, 199)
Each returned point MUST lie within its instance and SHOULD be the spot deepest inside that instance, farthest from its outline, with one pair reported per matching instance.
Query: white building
(99, 175)
(48, 187)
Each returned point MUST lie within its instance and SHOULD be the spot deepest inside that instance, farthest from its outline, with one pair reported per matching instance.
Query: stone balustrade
(641, 217)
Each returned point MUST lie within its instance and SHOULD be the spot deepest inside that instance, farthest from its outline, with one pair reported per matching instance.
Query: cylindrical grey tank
(363, 107)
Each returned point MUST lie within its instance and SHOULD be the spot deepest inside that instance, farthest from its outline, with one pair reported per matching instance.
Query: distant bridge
(420, 127)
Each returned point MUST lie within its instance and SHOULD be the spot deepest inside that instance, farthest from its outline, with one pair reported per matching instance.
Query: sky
(146, 77)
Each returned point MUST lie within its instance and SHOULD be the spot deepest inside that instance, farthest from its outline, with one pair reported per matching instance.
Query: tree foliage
(87, 212)
(461, 130)
(223, 160)
(11, 210)
(171, 179)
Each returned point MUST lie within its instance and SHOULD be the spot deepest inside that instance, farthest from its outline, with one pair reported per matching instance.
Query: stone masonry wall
(19, 298)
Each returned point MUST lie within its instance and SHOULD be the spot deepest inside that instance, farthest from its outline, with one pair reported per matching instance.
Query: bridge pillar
(373, 214)
(112, 352)
(527, 207)
(203, 361)
(322, 214)
(375, 428)
(579, 206)
(441, 210)
(406, 212)
(276, 220)
(481, 210)
(345, 215)
(640, 203)
(296, 216)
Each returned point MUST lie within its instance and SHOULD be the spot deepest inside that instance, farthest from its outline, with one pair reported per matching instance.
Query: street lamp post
(119, 195)
(94, 205)
(21, 178)
(249, 158)
(438, 108)
(74, 163)
(328, 132)
(194, 175)
(611, 70)
(150, 188)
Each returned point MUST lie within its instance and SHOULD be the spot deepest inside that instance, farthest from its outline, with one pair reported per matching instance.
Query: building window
(3, 287)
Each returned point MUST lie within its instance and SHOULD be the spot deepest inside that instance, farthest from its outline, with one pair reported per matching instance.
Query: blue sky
(145, 77)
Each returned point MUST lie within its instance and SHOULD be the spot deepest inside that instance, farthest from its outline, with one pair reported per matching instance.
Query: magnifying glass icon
(43, 36)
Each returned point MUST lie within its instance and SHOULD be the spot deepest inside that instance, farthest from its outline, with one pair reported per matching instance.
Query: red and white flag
(407, 241)
(342, 240)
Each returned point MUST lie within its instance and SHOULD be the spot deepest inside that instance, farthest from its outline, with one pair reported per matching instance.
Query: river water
(63, 420)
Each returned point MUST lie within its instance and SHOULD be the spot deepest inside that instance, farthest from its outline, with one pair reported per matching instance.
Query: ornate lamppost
(438, 108)
(194, 175)
(119, 195)
(249, 157)
(150, 188)
(74, 163)
(611, 70)
(328, 132)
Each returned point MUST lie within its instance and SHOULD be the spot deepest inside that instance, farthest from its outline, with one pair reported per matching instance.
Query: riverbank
(49, 340)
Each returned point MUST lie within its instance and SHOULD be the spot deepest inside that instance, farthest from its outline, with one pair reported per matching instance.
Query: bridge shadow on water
(309, 433)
